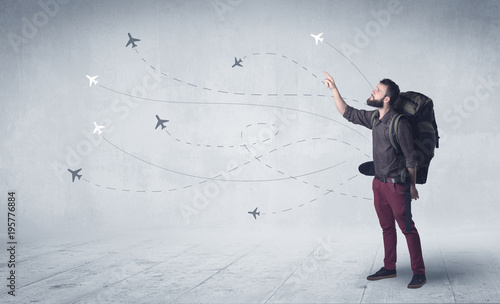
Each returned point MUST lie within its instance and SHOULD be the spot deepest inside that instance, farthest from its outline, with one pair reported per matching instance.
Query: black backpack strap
(393, 132)
(374, 116)
(393, 136)
(408, 205)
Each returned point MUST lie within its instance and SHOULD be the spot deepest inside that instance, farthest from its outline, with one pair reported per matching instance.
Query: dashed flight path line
(232, 146)
(328, 191)
(274, 94)
(296, 177)
(244, 145)
(215, 146)
(235, 104)
(314, 200)
(254, 157)
(257, 156)
(216, 178)
(289, 145)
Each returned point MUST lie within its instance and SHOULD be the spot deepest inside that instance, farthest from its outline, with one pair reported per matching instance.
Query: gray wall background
(448, 50)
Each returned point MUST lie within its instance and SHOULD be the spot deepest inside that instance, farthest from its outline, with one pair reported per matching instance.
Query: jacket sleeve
(359, 117)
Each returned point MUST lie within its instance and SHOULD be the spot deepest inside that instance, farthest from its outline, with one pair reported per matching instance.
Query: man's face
(378, 96)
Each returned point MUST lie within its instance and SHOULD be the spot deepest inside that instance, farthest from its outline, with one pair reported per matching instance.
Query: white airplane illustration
(254, 213)
(237, 62)
(317, 37)
(132, 41)
(97, 128)
(75, 174)
(160, 123)
(92, 80)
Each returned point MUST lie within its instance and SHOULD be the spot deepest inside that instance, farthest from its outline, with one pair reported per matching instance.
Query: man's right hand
(329, 82)
(339, 101)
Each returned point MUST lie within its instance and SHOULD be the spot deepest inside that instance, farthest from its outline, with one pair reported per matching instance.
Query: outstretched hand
(339, 102)
(329, 82)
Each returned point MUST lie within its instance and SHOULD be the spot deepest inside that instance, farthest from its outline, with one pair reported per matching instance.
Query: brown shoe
(382, 274)
(418, 281)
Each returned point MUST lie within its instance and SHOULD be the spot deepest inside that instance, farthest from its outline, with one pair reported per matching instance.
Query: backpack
(418, 109)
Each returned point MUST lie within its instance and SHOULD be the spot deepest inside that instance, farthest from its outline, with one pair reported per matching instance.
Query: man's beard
(375, 103)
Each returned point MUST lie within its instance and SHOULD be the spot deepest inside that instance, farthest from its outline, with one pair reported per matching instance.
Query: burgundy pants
(390, 206)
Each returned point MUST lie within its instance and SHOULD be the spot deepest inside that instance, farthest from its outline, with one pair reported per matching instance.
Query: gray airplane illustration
(75, 174)
(160, 123)
(237, 62)
(254, 213)
(132, 41)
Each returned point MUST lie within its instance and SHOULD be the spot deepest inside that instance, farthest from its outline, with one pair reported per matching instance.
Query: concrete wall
(276, 105)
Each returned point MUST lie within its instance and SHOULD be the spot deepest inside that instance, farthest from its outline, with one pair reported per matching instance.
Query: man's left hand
(414, 192)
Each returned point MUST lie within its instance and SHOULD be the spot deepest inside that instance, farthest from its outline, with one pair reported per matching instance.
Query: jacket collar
(387, 117)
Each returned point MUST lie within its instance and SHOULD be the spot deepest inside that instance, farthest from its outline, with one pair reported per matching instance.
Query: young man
(388, 184)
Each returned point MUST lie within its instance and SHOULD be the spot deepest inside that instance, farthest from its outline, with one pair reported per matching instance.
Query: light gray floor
(217, 266)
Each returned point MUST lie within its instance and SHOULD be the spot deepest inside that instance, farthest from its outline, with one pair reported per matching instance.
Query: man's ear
(387, 99)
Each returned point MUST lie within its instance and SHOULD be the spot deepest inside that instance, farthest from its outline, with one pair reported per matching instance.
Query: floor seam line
(447, 275)
(373, 264)
(272, 295)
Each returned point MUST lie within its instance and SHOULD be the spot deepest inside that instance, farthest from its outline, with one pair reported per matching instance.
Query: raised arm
(339, 101)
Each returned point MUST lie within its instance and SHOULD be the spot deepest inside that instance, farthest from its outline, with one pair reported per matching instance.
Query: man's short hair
(392, 91)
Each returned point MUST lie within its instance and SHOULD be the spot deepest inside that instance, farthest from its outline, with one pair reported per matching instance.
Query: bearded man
(391, 169)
